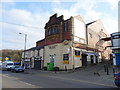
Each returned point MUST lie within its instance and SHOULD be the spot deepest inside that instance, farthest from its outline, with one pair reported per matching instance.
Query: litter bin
(50, 66)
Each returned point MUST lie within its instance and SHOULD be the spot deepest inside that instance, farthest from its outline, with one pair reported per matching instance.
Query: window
(66, 27)
(90, 35)
(65, 56)
(77, 52)
(116, 36)
(56, 29)
(52, 30)
(49, 31)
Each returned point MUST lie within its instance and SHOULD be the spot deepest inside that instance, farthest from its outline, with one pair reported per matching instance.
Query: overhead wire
(20, 25)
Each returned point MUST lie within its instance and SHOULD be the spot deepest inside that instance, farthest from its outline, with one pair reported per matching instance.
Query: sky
(30, 16)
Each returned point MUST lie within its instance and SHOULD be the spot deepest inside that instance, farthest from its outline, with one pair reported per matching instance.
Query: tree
(14, 54)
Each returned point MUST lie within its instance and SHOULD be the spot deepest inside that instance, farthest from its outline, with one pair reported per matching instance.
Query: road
(47, 80)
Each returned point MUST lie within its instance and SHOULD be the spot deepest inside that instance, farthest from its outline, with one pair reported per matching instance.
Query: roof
(41, 40)
(90, 23)
(79, 18)
(35, 48)
(106, 39)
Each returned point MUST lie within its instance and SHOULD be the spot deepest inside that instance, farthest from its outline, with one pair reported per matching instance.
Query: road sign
(7, 58)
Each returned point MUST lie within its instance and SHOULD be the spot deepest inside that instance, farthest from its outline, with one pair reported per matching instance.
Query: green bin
(50, 66)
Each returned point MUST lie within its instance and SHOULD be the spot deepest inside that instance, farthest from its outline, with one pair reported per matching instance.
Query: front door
(96, 58)
(37, 64)
(92, 59)
(84, 60)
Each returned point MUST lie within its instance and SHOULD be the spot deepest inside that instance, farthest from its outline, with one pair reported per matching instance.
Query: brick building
(68, 44)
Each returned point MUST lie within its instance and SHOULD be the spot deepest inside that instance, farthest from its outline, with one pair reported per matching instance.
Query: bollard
(113, 70)
(66, 68)
(107, 70)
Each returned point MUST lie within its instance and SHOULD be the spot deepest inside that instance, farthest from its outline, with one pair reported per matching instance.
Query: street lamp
(25, 44)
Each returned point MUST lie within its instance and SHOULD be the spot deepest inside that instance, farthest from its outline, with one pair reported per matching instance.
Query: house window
(66, 27)
(77, 52)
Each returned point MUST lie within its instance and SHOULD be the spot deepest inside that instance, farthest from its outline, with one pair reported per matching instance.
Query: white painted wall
(79, 30)
(59, 50)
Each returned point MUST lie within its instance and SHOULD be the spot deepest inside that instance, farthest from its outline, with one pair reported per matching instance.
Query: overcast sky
(36, 14)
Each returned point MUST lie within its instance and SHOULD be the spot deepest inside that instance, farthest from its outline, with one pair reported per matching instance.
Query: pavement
(91, 74)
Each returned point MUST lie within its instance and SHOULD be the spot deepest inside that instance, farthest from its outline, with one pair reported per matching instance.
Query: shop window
(77, 52)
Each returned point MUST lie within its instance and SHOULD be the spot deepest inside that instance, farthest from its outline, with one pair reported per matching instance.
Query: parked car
(7, 65)
(17, 69)
(117, 79)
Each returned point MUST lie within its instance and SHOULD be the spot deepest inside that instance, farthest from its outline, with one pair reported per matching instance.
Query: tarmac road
(47, 80)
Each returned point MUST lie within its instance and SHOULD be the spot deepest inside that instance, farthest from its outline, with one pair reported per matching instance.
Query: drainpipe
(86, 34)
(72, 42)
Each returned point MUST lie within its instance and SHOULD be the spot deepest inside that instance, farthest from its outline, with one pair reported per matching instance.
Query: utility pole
(24, 47)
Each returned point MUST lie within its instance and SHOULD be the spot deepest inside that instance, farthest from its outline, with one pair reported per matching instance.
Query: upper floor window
(56, 29)
(52, 30)
(66, 27)
(49, 31)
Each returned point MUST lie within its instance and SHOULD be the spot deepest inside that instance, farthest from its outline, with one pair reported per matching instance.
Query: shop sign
(77, 56)
(65, 58)
(65, 61)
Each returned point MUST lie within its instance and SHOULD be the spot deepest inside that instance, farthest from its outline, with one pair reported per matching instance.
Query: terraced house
(69, 44)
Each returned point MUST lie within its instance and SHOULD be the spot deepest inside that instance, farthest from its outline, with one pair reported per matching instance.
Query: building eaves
(90, 23)
(35, 48)
(40, 40)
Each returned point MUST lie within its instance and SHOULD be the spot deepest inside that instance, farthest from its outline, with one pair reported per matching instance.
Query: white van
(7, 65)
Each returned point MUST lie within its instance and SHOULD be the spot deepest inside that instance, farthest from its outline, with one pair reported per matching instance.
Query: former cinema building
(69, 43)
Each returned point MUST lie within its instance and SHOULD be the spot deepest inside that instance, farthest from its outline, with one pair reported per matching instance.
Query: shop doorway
(96, 58)
(92, 59)
(37, 64)
(84, 59)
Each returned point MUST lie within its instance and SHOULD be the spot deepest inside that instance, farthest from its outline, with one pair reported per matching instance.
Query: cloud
(85, 8)
(90, 14)
(26, 18)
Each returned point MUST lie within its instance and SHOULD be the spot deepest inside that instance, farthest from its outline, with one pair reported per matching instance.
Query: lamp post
(24, 45)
